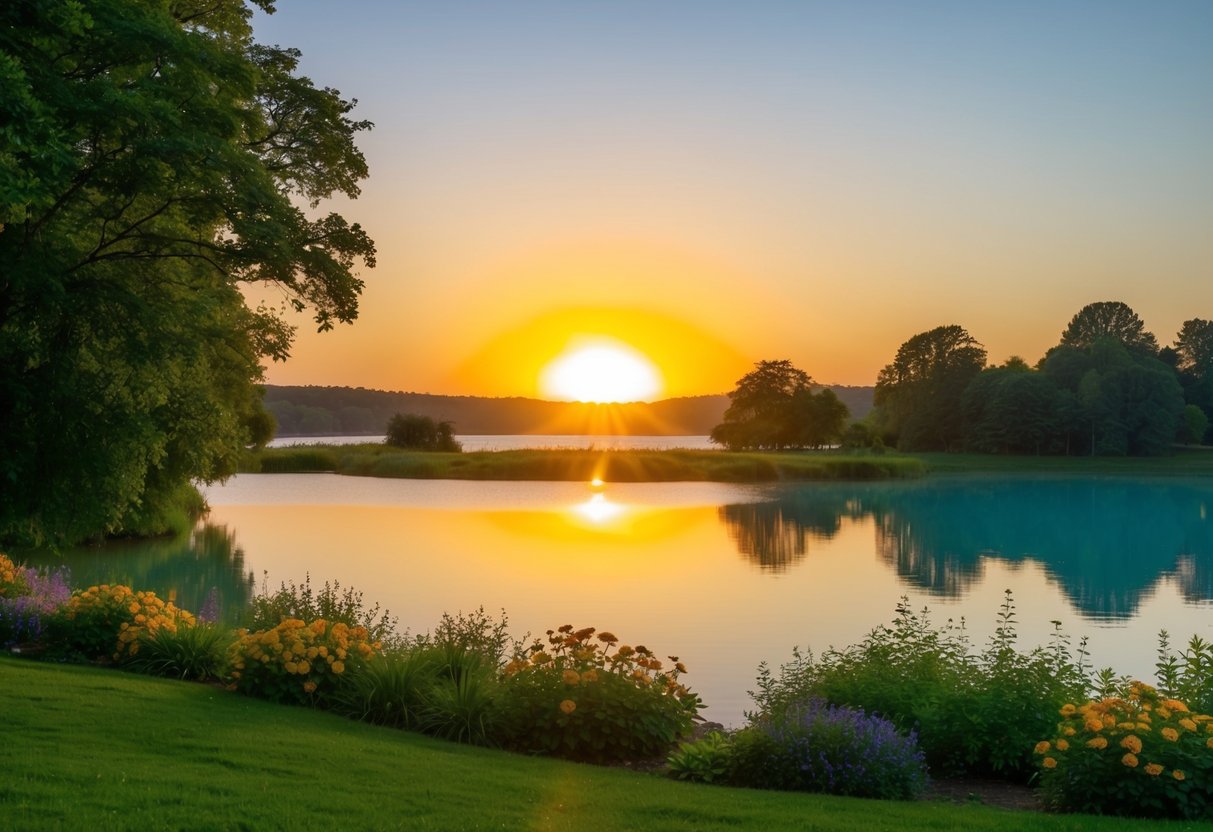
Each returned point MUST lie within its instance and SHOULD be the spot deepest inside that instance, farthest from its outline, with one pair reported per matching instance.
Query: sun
(601, 370)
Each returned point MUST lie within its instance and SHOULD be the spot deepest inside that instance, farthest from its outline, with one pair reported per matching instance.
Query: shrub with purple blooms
(27, 597)
(813, 746)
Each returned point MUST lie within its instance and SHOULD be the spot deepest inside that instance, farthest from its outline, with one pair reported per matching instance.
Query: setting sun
(601, 371)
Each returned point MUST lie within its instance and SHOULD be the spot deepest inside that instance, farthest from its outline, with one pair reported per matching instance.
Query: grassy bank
(376, 460)
(100, 749)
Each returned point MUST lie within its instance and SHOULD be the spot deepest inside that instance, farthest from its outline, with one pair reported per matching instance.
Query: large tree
(1108, 319)
(919, 396)
(153, 158)
(774, 406)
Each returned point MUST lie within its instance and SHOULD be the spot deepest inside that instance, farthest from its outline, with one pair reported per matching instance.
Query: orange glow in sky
(845, 181)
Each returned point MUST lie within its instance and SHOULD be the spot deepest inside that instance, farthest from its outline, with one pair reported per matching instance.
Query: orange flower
(570, 677)
(1049, 762)
(568, 706)
(1042, 746)
(1129, 760)
(1177, 774)
(1153, 769)
(1170, 734)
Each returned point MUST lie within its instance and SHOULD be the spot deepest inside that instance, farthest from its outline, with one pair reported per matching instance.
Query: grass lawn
(93, 749)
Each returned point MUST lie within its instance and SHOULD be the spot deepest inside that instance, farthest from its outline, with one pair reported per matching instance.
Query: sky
(716, 183)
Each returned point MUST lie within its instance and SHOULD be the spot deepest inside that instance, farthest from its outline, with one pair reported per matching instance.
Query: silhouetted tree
(918, 396)
(421, 433)
(1013, 409)
(1108, 319)
(774, 407)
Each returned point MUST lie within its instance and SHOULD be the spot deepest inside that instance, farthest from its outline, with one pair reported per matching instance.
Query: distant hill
(332, 411)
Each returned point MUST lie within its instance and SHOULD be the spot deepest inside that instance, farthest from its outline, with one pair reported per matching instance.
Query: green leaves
(149, 160)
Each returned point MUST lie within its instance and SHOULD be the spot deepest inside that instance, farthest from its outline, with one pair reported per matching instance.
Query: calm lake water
(513, 442)
(723, 576)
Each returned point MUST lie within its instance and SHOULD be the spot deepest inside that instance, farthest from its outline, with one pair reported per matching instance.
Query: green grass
(87, 748)
(372, 460)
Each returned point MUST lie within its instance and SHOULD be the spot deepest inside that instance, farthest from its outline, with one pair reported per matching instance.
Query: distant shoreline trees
(1105, 389)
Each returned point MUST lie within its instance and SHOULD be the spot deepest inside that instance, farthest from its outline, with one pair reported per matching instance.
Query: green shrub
(296, 460)
(1139, 754)
(461, 705)
(704, 761)
(586, 699)
(817, 747)
(197, 652)
(1187, 675)
(331, 603)
(390, 690)
(973, 712)
(299, 662)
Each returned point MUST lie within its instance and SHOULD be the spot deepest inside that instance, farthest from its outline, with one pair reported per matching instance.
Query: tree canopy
(775, 407)
(153, 158)
(918, 396)
(1108, 319)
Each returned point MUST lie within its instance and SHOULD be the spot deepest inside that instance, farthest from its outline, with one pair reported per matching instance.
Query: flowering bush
(12, 579)
(106, 622)
(1136, 754)
(817, 747)
(27, 597)
(591, 698)
(297, 661)
(977, 712)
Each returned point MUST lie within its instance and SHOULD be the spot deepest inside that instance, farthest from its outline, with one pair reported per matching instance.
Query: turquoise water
(724, 576)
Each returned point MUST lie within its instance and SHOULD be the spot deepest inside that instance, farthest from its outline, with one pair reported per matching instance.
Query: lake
(723, 576)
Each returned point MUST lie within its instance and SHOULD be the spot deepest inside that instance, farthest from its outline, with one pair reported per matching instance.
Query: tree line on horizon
(1106, 388)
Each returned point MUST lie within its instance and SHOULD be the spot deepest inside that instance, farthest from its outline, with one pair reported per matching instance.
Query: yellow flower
(1132, 743)
(1049, 762)
(1129, 760)
(338, 667)
(1144, 727)
(568, 706)
(1098, 743)
(589, 676)
(1062, 745)
(1175, 705)
(1093, 725)
(1177, 774)
(1187, 724)
(1169, 734)
(1068, 710)
(1125, 726)
(570, 677)
(309, 686)
(1042, 746)
(1153, 769)
(1209, 742)
(1069, 732)
(1163, 713)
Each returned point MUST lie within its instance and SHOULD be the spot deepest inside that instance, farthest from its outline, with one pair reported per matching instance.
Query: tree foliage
(1108, 319)
(775, 407)
(919, 395)
(151, 159)
(421, 433)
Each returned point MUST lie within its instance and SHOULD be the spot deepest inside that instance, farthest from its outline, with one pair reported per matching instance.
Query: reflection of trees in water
(189, 567)
(775, 535)
(1106, 542)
